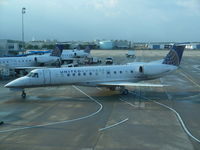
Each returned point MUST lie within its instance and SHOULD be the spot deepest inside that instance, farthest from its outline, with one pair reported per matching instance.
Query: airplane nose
(17, 83)
(10, 84)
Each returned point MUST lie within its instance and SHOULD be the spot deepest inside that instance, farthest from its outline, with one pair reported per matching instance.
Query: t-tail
(87, 49)
(174, 56)
(57, 51)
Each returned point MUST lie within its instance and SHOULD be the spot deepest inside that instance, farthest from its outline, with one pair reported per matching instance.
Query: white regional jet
(32, 61)
(103, 76)
(76, 53)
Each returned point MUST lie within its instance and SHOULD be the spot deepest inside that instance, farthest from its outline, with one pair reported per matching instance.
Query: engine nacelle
(155, 69)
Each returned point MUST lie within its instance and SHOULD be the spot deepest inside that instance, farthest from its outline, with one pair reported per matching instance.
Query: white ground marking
(183, 74)
(111, 126)
(196, 67)
(59, 122)
(179, 118)
(169, 96)
(128, 102)
(99, 88)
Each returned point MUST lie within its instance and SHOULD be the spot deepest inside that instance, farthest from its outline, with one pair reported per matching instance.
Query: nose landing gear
(23, 94)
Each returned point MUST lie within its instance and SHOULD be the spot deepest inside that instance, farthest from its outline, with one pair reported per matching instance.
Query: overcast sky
(135, 20)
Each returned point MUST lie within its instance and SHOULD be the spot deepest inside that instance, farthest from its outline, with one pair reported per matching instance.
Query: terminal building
(115, 44)
(166, 45)
(10, 47)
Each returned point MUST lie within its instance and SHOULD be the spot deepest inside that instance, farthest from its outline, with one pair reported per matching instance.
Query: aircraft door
(47, 76)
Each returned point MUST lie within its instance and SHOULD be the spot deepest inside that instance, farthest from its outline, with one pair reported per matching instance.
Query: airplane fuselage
(90, 76)
(70, 54)
(27, 61)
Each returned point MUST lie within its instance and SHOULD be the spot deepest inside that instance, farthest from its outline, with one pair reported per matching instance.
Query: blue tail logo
(57, 51)
(87, 49)
(175, 55)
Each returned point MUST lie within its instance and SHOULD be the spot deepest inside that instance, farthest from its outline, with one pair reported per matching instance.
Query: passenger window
(90, 73)
(115, 72)
(120, 71)
(84, 73)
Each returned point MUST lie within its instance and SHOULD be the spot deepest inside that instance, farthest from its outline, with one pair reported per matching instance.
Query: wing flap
(131, 84)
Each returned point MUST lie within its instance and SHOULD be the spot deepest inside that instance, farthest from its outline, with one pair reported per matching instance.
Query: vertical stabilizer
(175, 55)
(87, 49)
(57, 51)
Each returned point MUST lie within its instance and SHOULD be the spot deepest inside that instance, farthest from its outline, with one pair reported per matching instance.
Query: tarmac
(88, 118)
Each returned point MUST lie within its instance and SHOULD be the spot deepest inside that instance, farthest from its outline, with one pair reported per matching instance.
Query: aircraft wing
(130, 84)
(29, 68)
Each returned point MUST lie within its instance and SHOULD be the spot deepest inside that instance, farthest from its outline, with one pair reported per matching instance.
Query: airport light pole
(23, 12)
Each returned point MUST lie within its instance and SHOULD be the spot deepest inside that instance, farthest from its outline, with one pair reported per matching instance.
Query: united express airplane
(32, 61)
(102, 76)
(76, 53)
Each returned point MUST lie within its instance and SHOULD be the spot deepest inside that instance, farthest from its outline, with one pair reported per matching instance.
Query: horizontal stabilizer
(131, 84)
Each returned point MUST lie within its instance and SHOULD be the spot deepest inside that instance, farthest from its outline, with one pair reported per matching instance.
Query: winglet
(175, 55)
(57, 51)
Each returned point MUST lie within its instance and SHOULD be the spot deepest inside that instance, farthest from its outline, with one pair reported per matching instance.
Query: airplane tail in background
(174, 56)
(87, 50)
(57, 51)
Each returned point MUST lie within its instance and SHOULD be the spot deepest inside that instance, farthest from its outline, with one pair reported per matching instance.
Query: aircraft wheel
(112, 88)
(125, 92)
(23, 95)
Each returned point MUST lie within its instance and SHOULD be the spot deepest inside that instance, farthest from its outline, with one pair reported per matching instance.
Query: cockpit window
(33, 75)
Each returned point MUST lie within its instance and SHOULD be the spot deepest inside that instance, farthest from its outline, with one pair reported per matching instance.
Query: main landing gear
(122, 90)
(23, 94)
